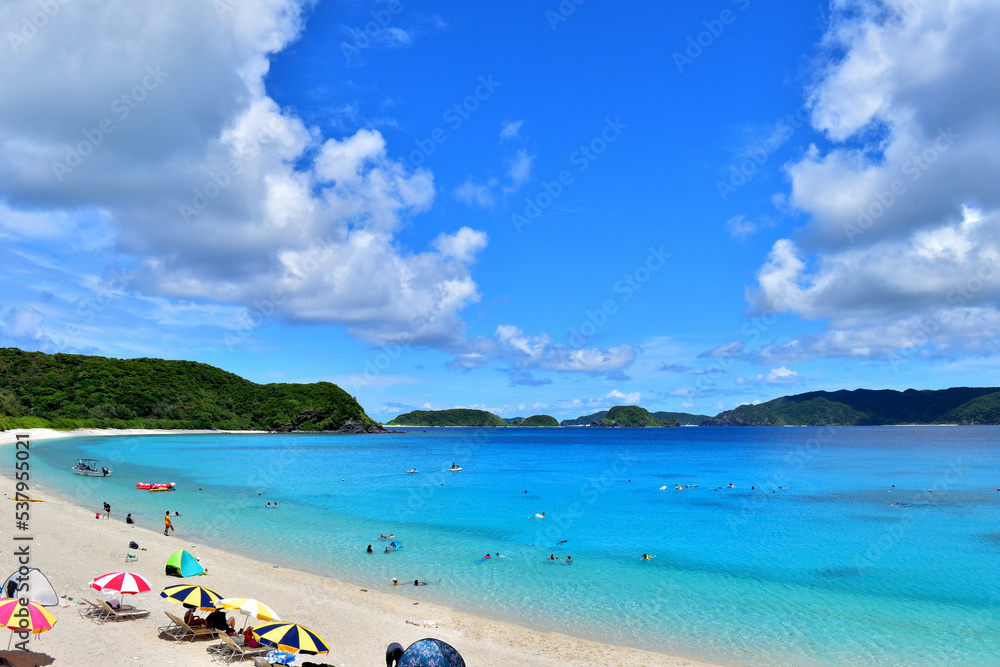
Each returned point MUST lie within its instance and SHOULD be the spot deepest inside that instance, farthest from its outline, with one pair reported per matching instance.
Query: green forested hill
(77, 391)
(585, 420)
(455, 417)
(959, 405)
(683, 418)
(537, 420)
(466, 417)
(630, 416)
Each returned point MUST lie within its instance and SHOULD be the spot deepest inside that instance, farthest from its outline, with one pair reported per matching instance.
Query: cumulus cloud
(520, 170)
(780, 375)
(477, 194)
(903, 245)
(222, 195)
(23, 327)
(630, 398)
(540, 352)
(510, 129)
(740, 228)
(467, 362)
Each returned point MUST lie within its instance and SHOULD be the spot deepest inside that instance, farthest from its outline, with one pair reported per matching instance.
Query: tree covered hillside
(77, 391)
(867, 407)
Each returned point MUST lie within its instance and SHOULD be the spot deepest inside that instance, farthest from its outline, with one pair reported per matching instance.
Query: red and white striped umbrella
(123, 582)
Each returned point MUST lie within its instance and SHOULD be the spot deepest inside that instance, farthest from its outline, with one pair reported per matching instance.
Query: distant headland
(69, 391)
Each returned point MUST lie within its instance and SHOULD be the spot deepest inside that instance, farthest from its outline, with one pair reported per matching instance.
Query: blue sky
(547, 208)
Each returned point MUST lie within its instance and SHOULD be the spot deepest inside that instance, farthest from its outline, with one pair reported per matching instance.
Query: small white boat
(89, 468)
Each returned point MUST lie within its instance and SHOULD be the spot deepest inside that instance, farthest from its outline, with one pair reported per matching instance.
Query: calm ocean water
(840, 568)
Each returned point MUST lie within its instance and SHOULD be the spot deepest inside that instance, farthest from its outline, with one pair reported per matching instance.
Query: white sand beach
(71, 547)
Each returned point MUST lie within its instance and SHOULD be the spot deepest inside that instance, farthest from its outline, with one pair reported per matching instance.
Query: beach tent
(39, 591)
(183, 564)
(430, 653)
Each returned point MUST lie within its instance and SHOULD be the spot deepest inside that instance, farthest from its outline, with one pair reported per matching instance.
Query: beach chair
(230, 650)
(261, 662)
(178, 629)
(93, 611)
(125, 611)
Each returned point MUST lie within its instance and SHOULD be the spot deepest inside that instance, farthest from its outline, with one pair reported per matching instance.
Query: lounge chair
(125, 611)
(261, 662)
(93, 611)
(178, 629)
(230, 650)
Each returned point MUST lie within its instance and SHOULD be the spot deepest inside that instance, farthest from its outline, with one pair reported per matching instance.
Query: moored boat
(89, 468)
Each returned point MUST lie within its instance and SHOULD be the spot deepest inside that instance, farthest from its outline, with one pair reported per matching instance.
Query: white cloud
(510, 129)
(221, 195)
(780, 375)
(740, 228)
(539, 352)
(687, 405)
(520, 170)
(519, 354)
(476, 194)
(628, 399)
(904, 207)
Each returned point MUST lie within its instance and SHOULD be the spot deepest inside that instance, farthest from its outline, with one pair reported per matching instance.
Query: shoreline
(357, 623)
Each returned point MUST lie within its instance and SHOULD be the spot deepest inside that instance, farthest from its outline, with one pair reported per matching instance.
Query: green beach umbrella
(183, 564)
(191, 596)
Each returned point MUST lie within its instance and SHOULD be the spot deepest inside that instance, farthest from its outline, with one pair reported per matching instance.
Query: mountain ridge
(870, 407)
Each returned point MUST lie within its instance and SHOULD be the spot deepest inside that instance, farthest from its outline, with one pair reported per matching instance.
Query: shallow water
(826, 572)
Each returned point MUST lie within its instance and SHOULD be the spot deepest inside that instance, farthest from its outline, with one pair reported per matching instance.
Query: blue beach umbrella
(431, 653)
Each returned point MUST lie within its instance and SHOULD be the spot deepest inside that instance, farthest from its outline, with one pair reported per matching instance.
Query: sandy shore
(72, 547)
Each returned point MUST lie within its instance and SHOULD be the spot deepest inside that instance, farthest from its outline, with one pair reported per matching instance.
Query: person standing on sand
(107, 511)
(167, 526)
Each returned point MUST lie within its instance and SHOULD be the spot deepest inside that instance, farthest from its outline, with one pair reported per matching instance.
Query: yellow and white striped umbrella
(249, 607)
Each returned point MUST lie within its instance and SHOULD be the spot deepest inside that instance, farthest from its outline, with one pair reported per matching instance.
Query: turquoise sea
(855, 563)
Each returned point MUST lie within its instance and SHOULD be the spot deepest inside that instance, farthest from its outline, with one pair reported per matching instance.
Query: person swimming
(392, 544)
(370, 549)
(540, 516)
(386, 550)
(487, 556)
(552, 557)
(647, 557)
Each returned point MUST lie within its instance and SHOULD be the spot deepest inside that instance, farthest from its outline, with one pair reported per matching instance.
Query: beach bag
(133, 545)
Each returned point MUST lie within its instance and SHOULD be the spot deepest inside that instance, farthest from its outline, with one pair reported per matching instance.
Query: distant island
(682, 418)
(632, 416)
(867, 407)
(621, 416)
(466, 417)
(67, 391)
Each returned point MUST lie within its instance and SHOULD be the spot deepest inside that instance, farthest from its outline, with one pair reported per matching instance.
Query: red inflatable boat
(156, 487)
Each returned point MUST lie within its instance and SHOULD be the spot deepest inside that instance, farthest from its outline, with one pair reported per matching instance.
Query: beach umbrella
(31, 618)
(291, 637)
(191, 596)
(123, 582)
(430, 653)
(250, 608)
